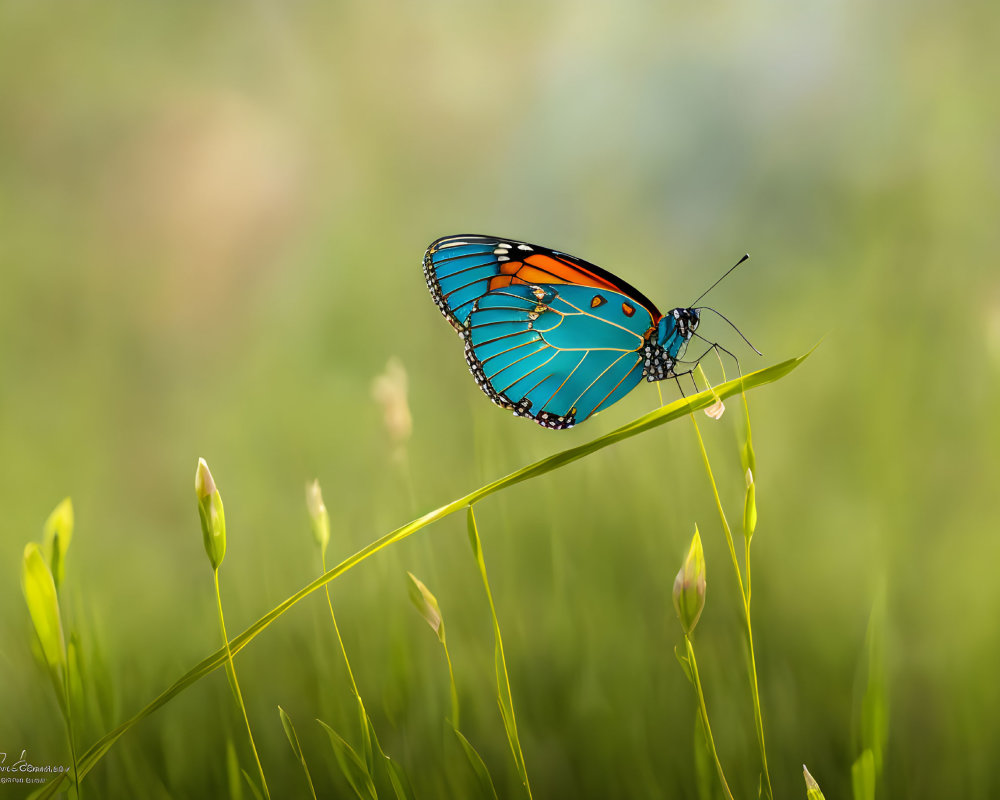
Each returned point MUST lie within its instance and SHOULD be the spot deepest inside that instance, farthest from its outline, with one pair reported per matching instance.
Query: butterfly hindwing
(555, 353)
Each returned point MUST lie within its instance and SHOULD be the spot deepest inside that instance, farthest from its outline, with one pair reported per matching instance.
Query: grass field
(211, 226)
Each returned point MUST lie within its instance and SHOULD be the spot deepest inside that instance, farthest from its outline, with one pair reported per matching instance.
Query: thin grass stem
(454, 688)
(336, 630)
(703, 710)
(745, 598)
(503, 679)
(69, 731)
(236, 684)
(722, 514)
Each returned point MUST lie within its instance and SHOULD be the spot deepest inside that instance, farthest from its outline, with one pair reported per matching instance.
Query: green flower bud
(318, 514)
(812, 788)
(43, 605)
(213, 518)
(750, 507)
(56, 535)
(427, 604)
(689, 585)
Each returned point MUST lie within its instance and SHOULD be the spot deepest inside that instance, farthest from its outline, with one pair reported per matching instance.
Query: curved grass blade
(400, 781)
(253, 786)
(293, 740)
(351, 765)
(233, 777)
(486, 787)
(660, 416)
(499, 661)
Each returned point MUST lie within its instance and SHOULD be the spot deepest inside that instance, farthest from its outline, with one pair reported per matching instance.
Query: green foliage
(293, 741)
(351, 765)
(252, 784)
(223, 655)
(863, 776)
(56, 536)
(872, 724)
(43, 605)
(234, 775)
(483, 778)
(499, 661)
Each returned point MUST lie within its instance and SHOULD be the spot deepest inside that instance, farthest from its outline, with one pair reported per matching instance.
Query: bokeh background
(211, 224)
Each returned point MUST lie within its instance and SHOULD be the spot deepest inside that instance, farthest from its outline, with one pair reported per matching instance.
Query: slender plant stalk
(454, 688)
(503, 679)
(745, 597)
(676, 410)
(340, 640)
(703, 710)
(231, 669)
(365, 729)
(69, 732)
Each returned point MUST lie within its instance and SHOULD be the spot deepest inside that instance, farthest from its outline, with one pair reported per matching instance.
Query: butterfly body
(547, 335)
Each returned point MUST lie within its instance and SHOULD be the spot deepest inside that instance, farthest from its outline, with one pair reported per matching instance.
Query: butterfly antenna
(734, 266)
(744, 338)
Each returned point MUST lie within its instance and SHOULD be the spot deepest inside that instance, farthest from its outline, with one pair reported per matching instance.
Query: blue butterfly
(550, 336)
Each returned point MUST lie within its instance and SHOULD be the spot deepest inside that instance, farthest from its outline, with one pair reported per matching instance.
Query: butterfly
(547, 335)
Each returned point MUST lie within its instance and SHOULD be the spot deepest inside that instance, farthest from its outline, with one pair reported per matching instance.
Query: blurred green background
(211, 224)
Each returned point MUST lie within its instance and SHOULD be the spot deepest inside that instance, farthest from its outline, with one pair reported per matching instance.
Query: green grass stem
(703, 710)
(745, 598)
(653, 419)
(362, 713)
(70, 734)
(500, 662)
(231, 669)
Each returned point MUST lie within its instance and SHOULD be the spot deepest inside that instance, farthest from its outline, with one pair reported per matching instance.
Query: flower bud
(43, 606)
(750, 507)
(427, 604)
(56, 535)
(213, 518)
(318, 514)
(689, 585)
(812, 788)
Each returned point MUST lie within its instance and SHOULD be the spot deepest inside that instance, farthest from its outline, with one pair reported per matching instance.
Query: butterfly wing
(460, 269)
(548, 335)
(555, 354)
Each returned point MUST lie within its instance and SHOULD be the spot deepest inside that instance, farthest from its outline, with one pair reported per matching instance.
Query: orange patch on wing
(539, 268)
(597, 301)
(530, 274)
(559, 271)
(628, 310)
